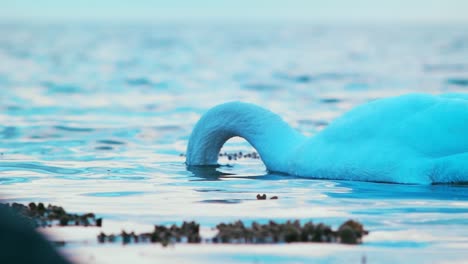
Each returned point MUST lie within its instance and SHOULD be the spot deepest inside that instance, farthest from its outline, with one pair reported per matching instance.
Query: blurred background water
(94, 117)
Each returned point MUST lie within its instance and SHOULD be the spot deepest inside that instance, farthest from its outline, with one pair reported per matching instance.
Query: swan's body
(407, 139)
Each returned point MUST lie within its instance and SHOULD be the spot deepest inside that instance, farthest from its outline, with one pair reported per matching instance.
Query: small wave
(458, 81)
(138, 82)
(445, 67)
(209, 190)
(330, 100)
(14, 108)
(73, 177)
(112, 194)
(222, 201)
(130, 178)
(74, 129)
(306, 78)
(334, 76)
(111, 142)
(104, 148)
(261, 86)
(62, 88)
(301, 78)
(168, 128)
(399, 244)
(8, 166)
(357, 86)
(13, 180)
(9, 132)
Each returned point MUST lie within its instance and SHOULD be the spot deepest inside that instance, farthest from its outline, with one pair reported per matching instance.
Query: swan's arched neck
(273, 138)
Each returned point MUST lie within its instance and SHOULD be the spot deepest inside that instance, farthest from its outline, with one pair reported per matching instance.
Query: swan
(410, 139)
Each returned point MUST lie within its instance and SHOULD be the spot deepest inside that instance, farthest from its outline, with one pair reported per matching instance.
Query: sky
(237, 10)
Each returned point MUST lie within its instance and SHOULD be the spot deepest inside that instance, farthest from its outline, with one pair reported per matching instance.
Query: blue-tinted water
(94, 117)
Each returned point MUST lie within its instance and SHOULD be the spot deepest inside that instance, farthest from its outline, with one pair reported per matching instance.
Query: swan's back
(431, 125)
(403, 139)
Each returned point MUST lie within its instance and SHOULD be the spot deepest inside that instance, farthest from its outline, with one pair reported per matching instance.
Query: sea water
(96, 117)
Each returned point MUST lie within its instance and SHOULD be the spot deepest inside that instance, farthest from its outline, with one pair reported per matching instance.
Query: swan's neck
(273, 138)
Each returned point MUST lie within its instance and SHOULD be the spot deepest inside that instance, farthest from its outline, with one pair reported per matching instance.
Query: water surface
(95, 117)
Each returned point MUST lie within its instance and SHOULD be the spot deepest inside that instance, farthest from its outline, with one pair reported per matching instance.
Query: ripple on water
(74, 129)
(454, 67)
(384, 191)
(104, 148)
(111, 142)
(64, 88)
(9, 132)
(13, 180)
(73, 177)
(13, 108)
(37, 167)
(330, 100)
(167, 128)
(261, 86)
(138, 82)
(112, 194)
(300, 78)
(458, 81)
(112, 178)
(207, 174)
(356, 86)
(223, 201)
(399, 244)
(131, 178)
(411, 210)
(461, 220)
(209, 190)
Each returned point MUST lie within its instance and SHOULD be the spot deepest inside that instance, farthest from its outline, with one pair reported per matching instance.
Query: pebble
(264, 197)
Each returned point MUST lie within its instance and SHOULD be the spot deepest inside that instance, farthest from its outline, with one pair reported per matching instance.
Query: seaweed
(350, 232)
(188, 232)
(38, 215)
(234, 155)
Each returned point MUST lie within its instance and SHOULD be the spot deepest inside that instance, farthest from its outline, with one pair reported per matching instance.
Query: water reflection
(219, 172)
(367, 190)
(207, 173)
(39, 167)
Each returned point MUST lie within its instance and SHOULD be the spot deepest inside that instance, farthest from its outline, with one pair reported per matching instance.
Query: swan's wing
(440, 130)
(448, 169)
(433, 126)
(404, 139)
(376, 119)
(362, 144)
(462, 96)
